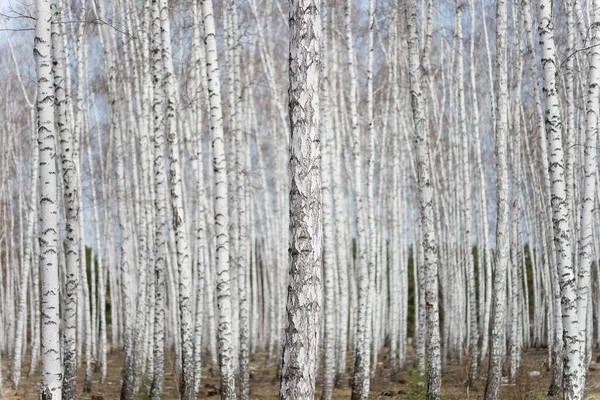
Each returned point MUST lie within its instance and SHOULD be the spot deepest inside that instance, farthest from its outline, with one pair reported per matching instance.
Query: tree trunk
(303, 309)
(498, 319)
(49, 247)
(425, 195)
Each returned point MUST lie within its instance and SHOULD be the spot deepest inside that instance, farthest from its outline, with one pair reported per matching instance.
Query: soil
(264, 383)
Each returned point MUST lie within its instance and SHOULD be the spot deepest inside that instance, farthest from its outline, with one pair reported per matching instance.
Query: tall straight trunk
(329, 262)
(370, 338)
(516, 334)
(49, 247)
(197, 161)
(485, 297)
(303, 309)
(560, 208)
(570, 131)
(362, 346)
(498, 319)
(177, 211)
(466, 207)
(341, 251)
(77, 136)
(555, 336)
(160, 206)
(221, 213)
(585, 245)
(395, 278)
(241, 182)
(71, 202)
(425, 196)
(126, 264)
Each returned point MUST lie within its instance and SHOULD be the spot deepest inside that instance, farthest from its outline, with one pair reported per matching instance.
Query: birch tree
(498, 319)
(220, 206)
(49, 247)
(560, 209)
(362, 345)
(303, 308)
(589, 188)
(426, 218)
(71, 201)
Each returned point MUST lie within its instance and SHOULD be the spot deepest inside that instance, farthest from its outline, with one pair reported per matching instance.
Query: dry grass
(410, 385)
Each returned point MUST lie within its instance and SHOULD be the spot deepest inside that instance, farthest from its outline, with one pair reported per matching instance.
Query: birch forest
(301, 199)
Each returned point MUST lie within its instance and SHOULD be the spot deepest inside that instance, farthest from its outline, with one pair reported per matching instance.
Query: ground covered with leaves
(532, 382)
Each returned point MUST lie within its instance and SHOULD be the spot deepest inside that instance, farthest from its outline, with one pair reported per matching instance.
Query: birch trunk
(498, 319)
(585, 244)
(177, 211)
(49, 247)
(560, 208)
(361, 374)
(226, 339)
(303, 309)
(71, 202)
(466, 209)
(329, 262)
(425, 195)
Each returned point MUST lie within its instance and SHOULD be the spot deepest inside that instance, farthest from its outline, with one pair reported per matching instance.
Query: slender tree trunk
(585, 244)
(560, 208)
(303, 309)
(49, 246)
(71, 202)
(329, 262)
(362, 345)
(498, 319)
(425, 195)
(226, 339)
(160, 207)
(466, 208)
(178, 216)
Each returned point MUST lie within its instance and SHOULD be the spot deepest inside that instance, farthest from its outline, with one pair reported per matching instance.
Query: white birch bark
(197, 161)
(425, 195)
(585, 244)
(71, 202)
(49, 247)
(177, 211)
(303, 309)
(560, 208)
(466, 207)
(340, 236)
(329, 263)
(370, 188)
(160, 206)
(485, 300)
(498, 319)
(362, 346)
(226, 339)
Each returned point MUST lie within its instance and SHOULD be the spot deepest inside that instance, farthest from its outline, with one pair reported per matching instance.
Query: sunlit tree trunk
(425, 195)
(226, 339)
(466, 207)
(585, 244)
(560, 208)
(71, 202)
(49, 246)
(362, 346)
(303, 309)
(160, 206)
(329, 261)
(498, 319)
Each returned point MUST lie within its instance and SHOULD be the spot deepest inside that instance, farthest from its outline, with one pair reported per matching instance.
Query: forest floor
(410, 385)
